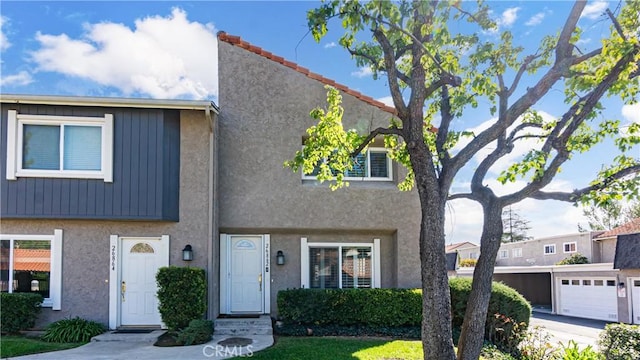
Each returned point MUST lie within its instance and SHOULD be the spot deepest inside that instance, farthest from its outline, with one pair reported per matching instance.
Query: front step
(246, 326)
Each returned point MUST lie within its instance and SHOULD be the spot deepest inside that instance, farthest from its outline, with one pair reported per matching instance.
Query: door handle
(123, 289)
(260, 281)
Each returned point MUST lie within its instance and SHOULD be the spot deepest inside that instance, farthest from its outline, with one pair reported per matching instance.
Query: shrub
(536, 345)
(374, 307)
(571, 351)
(181, 295)
(331, 311)
(620, 342)
(198, 332)
(507, 308)
(19, 311)
(468, 262)
(72, 330)
(574, 259)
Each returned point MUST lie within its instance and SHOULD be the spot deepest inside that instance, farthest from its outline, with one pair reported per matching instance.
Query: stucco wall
(264, 114)
(85, 251)
(533, 250)
(607, 249)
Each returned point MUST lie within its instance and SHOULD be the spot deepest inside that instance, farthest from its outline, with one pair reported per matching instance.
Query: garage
(588, 297)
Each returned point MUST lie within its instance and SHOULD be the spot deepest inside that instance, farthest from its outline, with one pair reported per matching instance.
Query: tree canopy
(436, 73)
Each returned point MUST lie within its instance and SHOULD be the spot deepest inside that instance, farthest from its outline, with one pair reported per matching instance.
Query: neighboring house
(465, 250)
(97, 193)
(608, 288)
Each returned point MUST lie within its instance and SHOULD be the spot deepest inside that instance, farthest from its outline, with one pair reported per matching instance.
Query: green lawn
(330, 348)
(19, 345)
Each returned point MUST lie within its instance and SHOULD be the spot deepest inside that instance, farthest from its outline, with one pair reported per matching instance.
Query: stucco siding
(533, 250)
(85, 252)
(264, 114)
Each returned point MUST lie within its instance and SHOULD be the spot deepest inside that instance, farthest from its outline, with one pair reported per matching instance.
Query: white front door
(635, 299)
(141, 259)
(246, 278)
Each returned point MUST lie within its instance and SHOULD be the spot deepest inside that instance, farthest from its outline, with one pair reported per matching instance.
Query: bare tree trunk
(473, 327)
(437, 339)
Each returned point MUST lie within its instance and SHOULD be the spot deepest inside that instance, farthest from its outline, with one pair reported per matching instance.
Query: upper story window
(517, 252)
(372, 165)
(570, 247)
(59, 146)
(504, 254)
(32, 263)
(550, 249)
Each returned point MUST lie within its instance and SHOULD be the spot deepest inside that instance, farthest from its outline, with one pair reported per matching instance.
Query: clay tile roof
(631, 227)
(237, 41)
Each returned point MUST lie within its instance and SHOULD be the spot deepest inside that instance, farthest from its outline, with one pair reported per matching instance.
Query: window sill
(62, 175)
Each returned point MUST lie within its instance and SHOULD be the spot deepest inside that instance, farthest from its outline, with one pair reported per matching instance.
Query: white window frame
(54, 300)
(15, 126)
(504, 254)
(551, 246)
(368, 177)
(575, 247)
(517, 252)
(304, 259)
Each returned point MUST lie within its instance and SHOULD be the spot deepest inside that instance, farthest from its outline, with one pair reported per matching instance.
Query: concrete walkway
(111, 346)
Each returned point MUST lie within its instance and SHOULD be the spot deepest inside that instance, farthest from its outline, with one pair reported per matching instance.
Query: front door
(141, 259)
(246, 278)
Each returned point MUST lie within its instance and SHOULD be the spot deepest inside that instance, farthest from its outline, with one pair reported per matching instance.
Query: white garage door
(591, 298)
(635, 298)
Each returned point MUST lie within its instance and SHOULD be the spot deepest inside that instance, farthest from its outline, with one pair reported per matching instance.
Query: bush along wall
(19, 311)
(182, 295)
(390, 312)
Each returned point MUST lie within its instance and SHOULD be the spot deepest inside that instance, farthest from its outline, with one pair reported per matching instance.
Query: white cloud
(387, 100)
(594, 10)
(509, 16)
(535, 19)
(163, 57)
(20, 79)
(4, 42)
(631, 113)
(583, 41)
(362, 72)
(330, 45)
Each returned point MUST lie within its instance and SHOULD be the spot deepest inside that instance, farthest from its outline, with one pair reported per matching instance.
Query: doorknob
(260, 281)
(123, 289)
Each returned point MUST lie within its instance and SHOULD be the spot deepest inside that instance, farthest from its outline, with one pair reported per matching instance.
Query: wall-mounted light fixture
(187, 253)
(621, 285)
(280, 258)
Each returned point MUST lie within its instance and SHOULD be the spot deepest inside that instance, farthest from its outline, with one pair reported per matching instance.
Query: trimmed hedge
(182, 295)
(620, 342)
(375, 307)
(19, 311)
(332, 311)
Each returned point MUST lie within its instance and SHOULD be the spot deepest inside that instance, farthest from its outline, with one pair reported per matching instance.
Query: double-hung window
(59, 146)
(32, 264)
(340, 265)
(371, 165)
(550, 249)
(570, 247)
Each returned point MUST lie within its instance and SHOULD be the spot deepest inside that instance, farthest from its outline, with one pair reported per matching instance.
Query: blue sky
(166, 49)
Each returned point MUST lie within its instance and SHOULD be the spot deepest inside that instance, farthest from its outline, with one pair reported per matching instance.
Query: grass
(331, 348)
(11, 346)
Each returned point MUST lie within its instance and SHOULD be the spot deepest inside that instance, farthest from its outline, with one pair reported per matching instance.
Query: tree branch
(445, 122)
(372, 135)
(616, 24)
(587, 56)
(576, 194)
(521, 70)
(392, 72)
(462, 196)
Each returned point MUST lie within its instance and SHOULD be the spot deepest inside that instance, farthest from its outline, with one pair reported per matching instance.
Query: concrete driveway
(564, 328)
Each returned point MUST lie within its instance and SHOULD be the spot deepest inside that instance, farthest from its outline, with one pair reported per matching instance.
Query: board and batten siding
(146, 171)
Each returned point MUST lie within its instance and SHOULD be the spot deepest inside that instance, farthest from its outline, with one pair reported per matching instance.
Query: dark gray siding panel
(146, 171)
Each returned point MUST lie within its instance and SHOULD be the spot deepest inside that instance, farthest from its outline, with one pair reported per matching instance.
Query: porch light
(187, 253)
(280, 258)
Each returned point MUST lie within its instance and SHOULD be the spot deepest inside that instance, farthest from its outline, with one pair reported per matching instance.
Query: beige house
(608, 288)
(107, 190)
